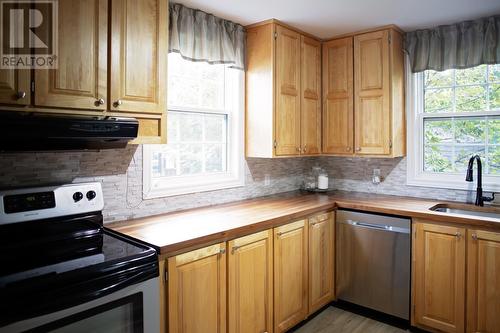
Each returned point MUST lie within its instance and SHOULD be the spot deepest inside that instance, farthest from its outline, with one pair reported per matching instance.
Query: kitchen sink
(469, 210)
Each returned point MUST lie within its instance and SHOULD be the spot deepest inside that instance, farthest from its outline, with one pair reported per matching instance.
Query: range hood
(34, 132)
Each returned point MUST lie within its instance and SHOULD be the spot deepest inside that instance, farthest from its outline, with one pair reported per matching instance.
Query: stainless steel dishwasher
(373, 261)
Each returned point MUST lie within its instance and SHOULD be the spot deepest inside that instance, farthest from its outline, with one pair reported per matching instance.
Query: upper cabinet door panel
(338, 117)
(372, 93)
(80, 78)
(287, 108)
(310, 96)
(138, 55)
(15, 87)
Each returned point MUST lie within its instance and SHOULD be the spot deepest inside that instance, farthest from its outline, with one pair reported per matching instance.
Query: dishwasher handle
(378, 227)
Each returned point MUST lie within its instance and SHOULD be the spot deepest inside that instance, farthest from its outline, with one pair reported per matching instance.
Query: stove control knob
(77, 196)
(91, 195)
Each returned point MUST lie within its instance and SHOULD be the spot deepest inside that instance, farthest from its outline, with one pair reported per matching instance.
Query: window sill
(191, 189)
(433, 182)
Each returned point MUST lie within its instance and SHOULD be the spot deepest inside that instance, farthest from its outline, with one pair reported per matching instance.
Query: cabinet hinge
(390, 38)
(390, 143)
(32, 86)
(165, 278)
(275, 144)
(275, 35)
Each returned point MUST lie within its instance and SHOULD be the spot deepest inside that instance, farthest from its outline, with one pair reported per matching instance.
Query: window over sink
(204, 131)
(453, 115)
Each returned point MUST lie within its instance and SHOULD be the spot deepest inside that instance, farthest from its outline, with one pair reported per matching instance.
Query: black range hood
(34, 132)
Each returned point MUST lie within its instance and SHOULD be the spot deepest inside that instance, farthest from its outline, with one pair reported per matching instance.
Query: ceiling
(328, 18)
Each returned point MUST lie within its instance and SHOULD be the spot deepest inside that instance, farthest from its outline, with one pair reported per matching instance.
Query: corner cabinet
(363, 84)
(283, 92)
(107, 66)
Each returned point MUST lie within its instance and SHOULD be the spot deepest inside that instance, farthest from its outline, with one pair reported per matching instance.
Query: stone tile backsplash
(120, 172)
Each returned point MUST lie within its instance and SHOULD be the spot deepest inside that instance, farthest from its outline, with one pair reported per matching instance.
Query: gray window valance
(199, 36)
(462, 45)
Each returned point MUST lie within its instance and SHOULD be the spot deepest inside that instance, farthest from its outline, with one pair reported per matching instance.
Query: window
(453, 115)
(204, 131)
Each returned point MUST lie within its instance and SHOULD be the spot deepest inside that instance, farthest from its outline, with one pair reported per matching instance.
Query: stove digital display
(27, 202)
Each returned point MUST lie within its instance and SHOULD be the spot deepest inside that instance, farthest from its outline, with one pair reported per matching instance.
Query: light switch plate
(267, 179)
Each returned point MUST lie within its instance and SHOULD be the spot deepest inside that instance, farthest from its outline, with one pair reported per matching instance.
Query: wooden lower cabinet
(250, 281)
(321, 261)
(290, 275)
(483, 281)
(439, 277)
(197, 291)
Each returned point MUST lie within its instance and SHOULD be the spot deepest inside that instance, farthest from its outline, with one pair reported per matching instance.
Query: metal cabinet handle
(100, 101)
(117, 103)
(305, 148)
(474, 236)
(236, 247)
(298, 149)
(21, 94)
(222, 251)
(279, 234)
(358, 149)
(458, 235)
(348, 148)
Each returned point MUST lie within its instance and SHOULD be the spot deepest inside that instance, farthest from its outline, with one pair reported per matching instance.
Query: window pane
(494, 73)
(464, 153)
(215, 130)
(472, 75)
(439, 100)
(438, 131)
(438, 158)
(191, 125)
(470, 98)
(438, 79)
(195, 84)
(495, 96)
(190, 158)
(214, 158)
(469, 130)
(494, 130)
(494, 160)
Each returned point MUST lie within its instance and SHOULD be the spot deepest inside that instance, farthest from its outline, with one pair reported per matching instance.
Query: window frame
(416, 176)
(234, 90)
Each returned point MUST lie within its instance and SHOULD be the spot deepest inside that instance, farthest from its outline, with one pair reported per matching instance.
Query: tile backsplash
(120, 172)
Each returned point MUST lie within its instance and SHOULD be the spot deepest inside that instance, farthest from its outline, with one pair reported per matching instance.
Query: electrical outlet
(267, 179)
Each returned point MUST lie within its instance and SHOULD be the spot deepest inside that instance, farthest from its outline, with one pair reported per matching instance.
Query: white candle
(323, 182)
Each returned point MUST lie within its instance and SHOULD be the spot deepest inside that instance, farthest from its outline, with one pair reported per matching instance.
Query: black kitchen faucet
(479, 192)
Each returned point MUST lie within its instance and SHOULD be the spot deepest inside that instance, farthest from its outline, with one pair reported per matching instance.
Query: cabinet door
(138, 55)
(372, 94)
(290, 275)
(483, 282)
(80, 80)
(287, 92)
(310, 95)
(15, 87)
(338, 112)
(439, 277)
(250, 283)
(321, 257)
(197, 291)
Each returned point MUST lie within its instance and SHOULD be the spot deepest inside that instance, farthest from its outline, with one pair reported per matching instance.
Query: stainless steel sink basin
(468, 210)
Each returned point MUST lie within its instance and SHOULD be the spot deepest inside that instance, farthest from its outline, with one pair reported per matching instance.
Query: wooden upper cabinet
(439, 277)
(197, 291)
(483, 282)
(138, 56)
(372, 113)
(250, 281)
(15, 87)
(290, 275)
(80, 80)
(378, 94)
(310, 96)
(321, 261)
(338, 99)
(283, 92)
(287, 113)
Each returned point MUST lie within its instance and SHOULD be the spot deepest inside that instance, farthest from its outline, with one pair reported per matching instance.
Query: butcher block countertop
(182, 231)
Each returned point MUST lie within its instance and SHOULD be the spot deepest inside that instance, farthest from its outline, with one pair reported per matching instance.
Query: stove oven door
(133, 309)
